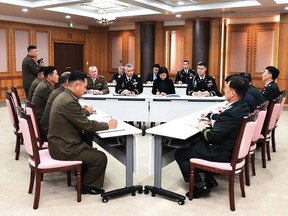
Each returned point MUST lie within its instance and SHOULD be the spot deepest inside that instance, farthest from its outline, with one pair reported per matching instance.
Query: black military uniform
(115, 77)
(271, 91)
(184, 76)
(207, 84)
(135, 85)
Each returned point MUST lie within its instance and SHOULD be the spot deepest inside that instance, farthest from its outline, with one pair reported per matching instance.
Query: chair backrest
(244, 138)
(12, 111)
(260, 120)
(31, 110)
(15, 96)
(29, 139)
(271, 116)
(283, 96)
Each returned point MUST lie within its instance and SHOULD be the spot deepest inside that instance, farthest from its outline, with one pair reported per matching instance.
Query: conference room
(231, 36)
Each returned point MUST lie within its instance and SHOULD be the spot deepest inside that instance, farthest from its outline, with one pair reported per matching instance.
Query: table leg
(156, 189)
(130, 188)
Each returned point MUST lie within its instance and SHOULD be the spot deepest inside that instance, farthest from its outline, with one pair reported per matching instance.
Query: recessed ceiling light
(180, 3)
(67, 16)
(178, 15)
(25, 10)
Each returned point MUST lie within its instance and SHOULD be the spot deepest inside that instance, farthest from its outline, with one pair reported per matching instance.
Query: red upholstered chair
(269, 124)
(283, 99)
(15, 97)
(15, 123)
(31, 110)
(40, 161)
(236, 165)
(262, 111)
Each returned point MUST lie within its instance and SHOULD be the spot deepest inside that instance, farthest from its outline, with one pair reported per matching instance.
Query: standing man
(271, 89)
(30, 68)
(202, 85)
(183, 76)
(35, 83)
(96, 84)
(215, 143)
(67, 144)
(152, 75)
(117, 75)
(129, 84)
(44, 89)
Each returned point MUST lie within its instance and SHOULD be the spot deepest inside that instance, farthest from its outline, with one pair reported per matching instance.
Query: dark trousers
(94, 167)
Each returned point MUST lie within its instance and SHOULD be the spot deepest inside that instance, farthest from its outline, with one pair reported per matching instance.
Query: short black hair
(246, 75)
(64, 77)
(31, 47)
(202, 63)
(48, 70)
(239, 84)
(41, 69)
(274, 71)
(227, 79)
(157, 66)
(161, 71)
(77, 75)
(186, 61)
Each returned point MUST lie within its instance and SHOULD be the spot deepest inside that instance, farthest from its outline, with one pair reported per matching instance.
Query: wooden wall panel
(159, 53)
(4, 50)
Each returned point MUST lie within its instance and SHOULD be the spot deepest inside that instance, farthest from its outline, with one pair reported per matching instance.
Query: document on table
(105, 118)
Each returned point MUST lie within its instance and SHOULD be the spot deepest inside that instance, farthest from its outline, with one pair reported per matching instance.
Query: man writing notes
(202, 85)
(129, 83)
(66, 124)
(215, 143)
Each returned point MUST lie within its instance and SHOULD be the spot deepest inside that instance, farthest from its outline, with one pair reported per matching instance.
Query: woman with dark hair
(163, 85)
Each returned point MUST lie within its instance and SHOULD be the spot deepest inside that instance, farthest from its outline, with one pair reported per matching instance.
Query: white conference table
(181, 128)
(147, 88)
(125, 149)
(149, 108)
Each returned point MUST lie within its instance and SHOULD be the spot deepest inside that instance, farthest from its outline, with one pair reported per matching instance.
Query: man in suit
(35, 83)
(271, 89)
(202, 85)
(66, 143)
(252, 90)
(96, 84)
(129, 83)
(215, 143)
(117, 75)
(29, 68)
(152, 75)
(44, 89)
(185, 74)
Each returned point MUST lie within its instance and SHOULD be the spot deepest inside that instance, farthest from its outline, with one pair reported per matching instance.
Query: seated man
(252, 90)
(44, 122)
(117, 75)
(44, 89)
(129, 83)
(96, 84)
(271, 89)
(202, 84)
(152, 75)
(35, 83)
(65, 134)
(183, 76)
(215, 143)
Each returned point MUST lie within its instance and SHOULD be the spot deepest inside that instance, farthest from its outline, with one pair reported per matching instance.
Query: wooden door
(68, 57)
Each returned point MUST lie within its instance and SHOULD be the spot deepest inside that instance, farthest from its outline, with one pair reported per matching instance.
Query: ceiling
(127, 12)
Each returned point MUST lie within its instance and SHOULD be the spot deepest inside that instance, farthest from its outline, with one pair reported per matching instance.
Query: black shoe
(199, 192)
(91, 190)
(211, 182)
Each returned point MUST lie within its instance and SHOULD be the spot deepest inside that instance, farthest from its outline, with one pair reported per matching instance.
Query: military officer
(184, 75)
(202, 84)
(117, 75)
(271, 89)
(129, 83)
(96, 84)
